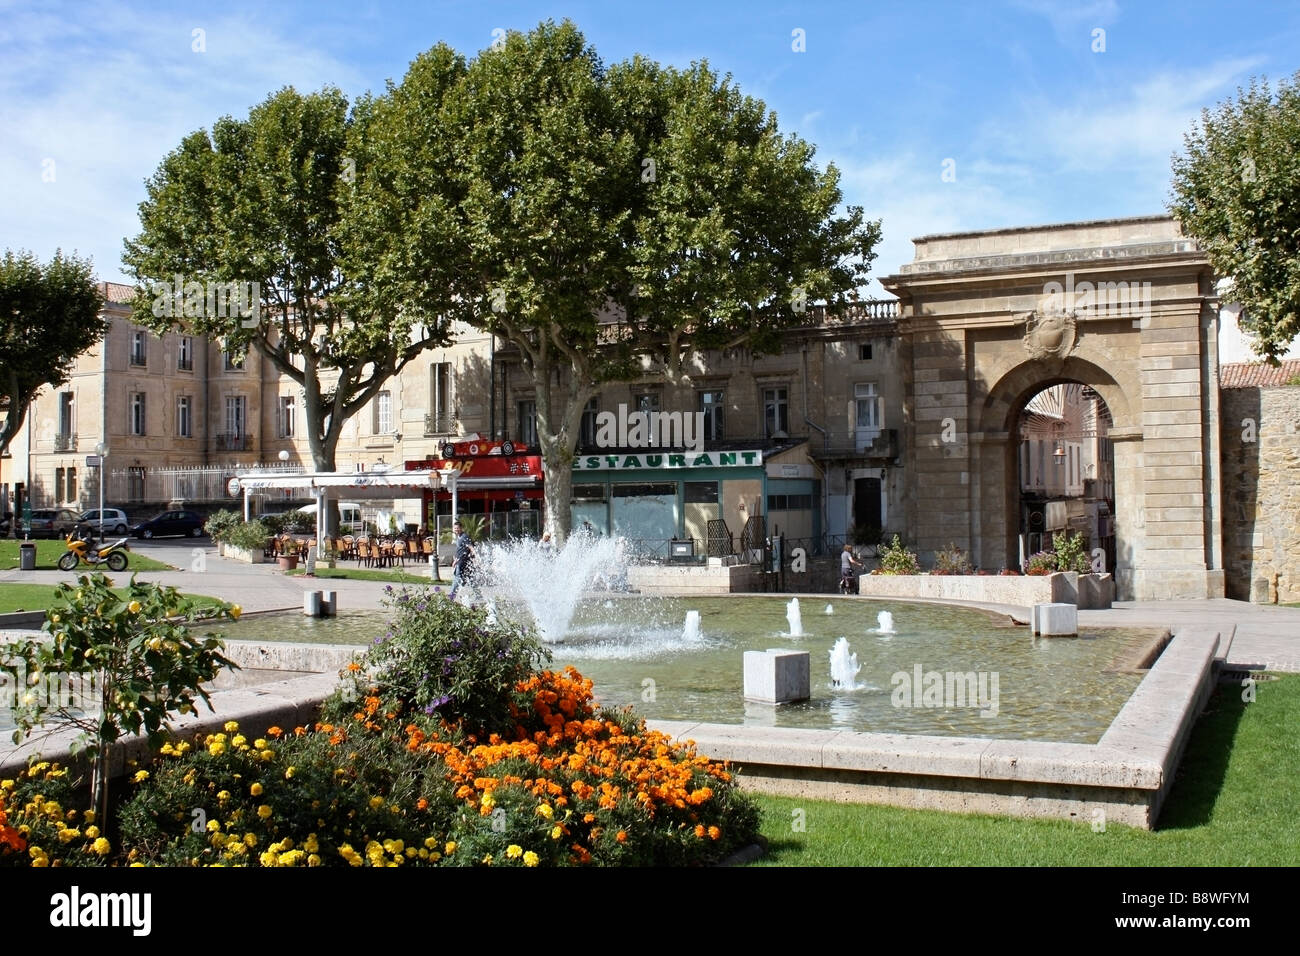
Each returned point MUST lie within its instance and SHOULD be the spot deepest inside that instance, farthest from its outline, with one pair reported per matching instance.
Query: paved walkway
(1266, 636)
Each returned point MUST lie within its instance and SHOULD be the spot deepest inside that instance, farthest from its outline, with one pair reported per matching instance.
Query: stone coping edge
(1139, 750)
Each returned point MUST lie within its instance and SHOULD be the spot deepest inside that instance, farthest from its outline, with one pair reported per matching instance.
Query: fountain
(884, 624)
(550, 582)
(794, 617)
(830, 609)
(691, 630)
(844, 666)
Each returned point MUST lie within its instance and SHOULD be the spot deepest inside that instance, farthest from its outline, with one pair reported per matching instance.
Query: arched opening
(1065, 467)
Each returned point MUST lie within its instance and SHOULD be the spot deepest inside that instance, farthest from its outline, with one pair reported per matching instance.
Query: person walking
(848, 580)
(462, 568)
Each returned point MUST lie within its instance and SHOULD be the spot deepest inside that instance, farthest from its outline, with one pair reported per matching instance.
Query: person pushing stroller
(848, 580)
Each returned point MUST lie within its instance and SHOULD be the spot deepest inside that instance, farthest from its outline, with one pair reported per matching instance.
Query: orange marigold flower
(354, 667)
(422, 804)
(700, 831)
(274, 732)
(621, 836)
(714, 833)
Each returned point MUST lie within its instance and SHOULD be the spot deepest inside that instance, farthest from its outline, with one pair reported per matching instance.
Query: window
(234, 360)
(138, 355)
(868, 406)
(712, 405)
(284, 416)
(384, 413)
(65, 413)
(137, 413)
(185, 354)
(235, 416)
(587, 432)
(700, 492)
(184, 417)
(528, 423)
(71, 478)
(776, 412)
(135, 482)
(58, 485)
(864, 352)
(645, 402)
(440, 414)
(789, 502)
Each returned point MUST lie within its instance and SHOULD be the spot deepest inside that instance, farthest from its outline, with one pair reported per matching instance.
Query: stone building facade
(1261, 481)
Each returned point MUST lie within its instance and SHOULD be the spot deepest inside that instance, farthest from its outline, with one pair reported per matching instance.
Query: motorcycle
(81, 550)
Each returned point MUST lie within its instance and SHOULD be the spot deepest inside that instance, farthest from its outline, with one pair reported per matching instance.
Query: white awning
(499, 481)
(355, 482)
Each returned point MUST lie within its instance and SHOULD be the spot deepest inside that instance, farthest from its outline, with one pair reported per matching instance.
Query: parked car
(114, 520)
(52, 522)
(349, 515)
(170, 523)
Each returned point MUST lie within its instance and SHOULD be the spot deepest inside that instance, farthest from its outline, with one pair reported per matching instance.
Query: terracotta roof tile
(117, 292)
(1257, 374)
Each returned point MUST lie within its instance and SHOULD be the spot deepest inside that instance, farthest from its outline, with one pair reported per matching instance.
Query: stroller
(848, 582)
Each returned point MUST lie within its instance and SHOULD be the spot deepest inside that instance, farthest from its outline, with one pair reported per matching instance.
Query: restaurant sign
(715, 459)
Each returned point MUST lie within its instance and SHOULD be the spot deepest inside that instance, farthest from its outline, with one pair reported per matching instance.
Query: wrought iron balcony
(65, 442)
(439, 425)
(846, 445)
(227, 442)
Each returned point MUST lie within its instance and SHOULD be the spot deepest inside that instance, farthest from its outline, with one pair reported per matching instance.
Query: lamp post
(101, 449)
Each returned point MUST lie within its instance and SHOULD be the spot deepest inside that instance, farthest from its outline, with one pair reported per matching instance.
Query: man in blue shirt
(462, 568)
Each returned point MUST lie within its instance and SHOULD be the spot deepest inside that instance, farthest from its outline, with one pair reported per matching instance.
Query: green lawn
(1233, 804)
(39, 597)
(397, 575)
(48, 553)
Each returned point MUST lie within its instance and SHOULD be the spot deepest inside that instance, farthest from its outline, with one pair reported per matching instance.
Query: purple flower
(436, 703)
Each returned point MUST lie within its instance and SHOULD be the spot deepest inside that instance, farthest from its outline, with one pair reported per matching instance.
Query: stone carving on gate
(1049, 335)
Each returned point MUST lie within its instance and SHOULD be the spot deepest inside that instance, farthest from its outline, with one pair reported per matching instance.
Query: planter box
(248, 557)
(1061, 587)
(287, 562)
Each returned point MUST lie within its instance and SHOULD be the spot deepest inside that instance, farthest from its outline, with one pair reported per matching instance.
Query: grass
(370, 574)
(48, 553)
(1232, 804)
(40, 597)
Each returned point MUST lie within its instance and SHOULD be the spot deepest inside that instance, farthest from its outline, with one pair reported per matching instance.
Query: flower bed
(450, 744)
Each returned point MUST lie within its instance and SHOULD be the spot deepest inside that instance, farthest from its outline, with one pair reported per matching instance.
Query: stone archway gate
(1126, 306)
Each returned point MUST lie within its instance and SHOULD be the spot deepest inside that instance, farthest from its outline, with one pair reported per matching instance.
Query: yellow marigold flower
(92, 833)
(182, 748)
(230, 726)
(66, 835)
(250, 840)
(556, 832)
(310, 844)
(487, 858)
(531, 859)
(214, 826)
(235, 611)
(134, 607)
(141, 776)
(435, 856)
(101, 847)
(430, 843)
(167, 750)
(313, 860)
(288, 774)
(268, 859)
(264, 812)
(239, 740)
(450, 847)
(267, 756)
(223, 796)
(514, 851)
(7, 784)
(216, 748)
(89, 816)
(376, 803)
(545, 811)
(255, 789)
(259, 743)
(137, 864)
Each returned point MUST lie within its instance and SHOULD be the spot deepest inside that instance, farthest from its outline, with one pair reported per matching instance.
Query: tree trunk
(559, 417)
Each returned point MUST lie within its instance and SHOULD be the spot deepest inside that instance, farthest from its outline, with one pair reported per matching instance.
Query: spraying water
(691, 630)
(844, 666)
(794, 617)
(885, 623)
(550, 583)
(830, 609)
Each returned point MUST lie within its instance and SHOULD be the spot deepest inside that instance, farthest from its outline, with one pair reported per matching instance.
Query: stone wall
(1261, 493)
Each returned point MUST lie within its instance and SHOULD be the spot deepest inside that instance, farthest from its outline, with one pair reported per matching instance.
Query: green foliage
(249, 535)
(951, 560)
(1070, 553)
(48, 316)
(1040, 563)
(1237, 190)
(221, 523)
(896, 559)
(442, 657)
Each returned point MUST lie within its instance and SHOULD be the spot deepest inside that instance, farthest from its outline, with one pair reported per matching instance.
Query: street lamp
(101, 450)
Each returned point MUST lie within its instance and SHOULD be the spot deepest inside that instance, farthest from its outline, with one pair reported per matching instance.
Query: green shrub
(896, 559)
(951, 560)
(221, 523)
(249, 536)
(1070, 553)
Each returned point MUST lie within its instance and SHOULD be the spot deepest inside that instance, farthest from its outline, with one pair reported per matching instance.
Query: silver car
(114, 521)
(52, 522)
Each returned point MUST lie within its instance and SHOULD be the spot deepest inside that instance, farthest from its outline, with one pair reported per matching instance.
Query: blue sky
(1040, 127)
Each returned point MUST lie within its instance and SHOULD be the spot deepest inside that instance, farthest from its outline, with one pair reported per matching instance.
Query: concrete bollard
(1056, 620)
(777, 676)
(329, 605)
(311, 603)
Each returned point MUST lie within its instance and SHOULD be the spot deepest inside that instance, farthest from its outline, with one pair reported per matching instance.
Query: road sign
(93, 461)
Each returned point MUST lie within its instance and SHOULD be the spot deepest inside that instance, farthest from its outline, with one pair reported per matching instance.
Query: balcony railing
(227, 442)
(64, 442)
(842, 444)
(439, 425)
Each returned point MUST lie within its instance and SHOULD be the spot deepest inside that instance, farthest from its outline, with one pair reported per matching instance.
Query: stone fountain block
(311, 603)
(1056, 620)
(329, 603)
(777, 676)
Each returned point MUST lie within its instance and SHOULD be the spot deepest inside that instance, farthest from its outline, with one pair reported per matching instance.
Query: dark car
(52, 522)
(170, 523)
